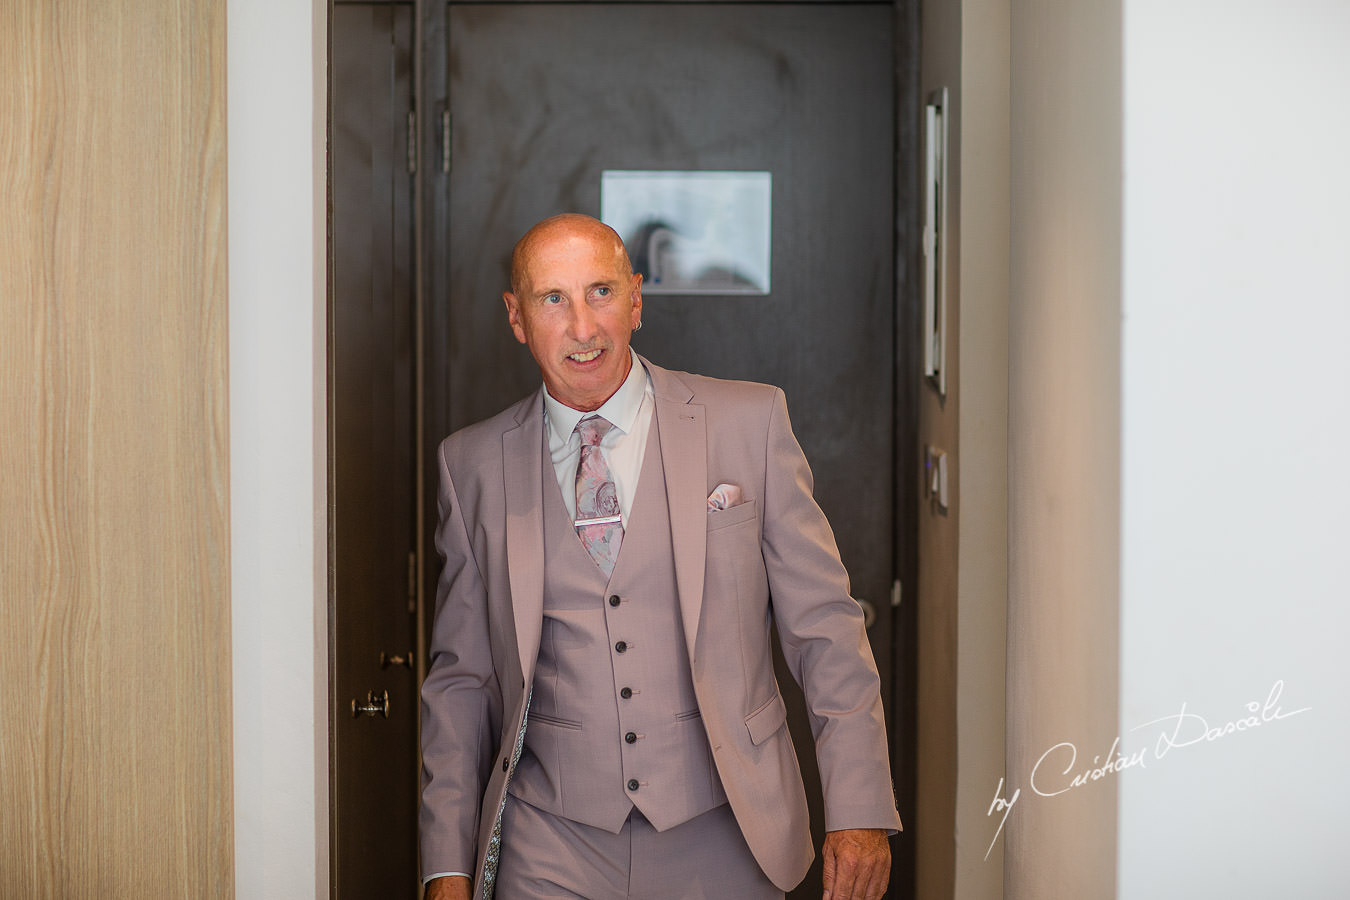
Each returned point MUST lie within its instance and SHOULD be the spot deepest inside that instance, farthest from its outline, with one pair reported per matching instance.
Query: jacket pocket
(763, 722)
(545, 719)
(725, 518)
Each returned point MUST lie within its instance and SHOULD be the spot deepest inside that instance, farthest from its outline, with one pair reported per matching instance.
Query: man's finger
(844, 885)
(827, 871)
(879, 878)
(840, 871)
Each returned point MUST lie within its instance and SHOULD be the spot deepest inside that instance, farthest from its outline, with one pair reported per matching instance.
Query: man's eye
(552, 299)
(602, 292)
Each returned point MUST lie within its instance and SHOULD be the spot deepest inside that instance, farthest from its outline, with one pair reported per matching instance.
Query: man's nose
(583, 322)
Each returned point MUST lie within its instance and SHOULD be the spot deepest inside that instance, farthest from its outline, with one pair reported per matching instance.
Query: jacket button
(621, 646)
(506, 764)
(632, 784)
(613, 599)
(630, 737)
(626, 693)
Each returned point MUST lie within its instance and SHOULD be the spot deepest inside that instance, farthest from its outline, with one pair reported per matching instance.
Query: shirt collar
(621, 410)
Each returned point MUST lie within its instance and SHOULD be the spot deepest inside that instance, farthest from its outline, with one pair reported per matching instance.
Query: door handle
(374, 706)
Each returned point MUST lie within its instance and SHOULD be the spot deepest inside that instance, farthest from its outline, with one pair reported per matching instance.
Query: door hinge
(412, 582)
(412, 143)
(445, 142)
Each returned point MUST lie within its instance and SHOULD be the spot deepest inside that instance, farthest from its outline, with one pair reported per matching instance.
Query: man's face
(576, 307)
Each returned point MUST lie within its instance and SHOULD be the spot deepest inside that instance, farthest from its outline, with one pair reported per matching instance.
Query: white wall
(982, 559)
(277, 109)
(933, 830)
(1236, 395)
(1063, 439)
(962, 590)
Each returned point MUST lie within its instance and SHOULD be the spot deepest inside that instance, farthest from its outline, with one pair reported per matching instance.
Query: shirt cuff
(430, 878)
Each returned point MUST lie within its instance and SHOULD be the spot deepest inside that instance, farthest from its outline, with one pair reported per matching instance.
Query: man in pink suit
(600, 718)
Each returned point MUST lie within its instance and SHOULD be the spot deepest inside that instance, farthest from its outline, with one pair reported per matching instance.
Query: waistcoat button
(626, 693)
(630, 737)
(621, 646)
(632, 784)
(613, 599)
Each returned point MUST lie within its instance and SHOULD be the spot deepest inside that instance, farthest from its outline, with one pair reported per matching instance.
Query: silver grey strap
(492, 858)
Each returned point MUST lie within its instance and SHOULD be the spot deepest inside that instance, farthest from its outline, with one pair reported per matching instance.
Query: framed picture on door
(693, 232)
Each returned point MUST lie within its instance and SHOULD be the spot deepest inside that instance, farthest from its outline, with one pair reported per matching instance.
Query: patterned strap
(494, 849)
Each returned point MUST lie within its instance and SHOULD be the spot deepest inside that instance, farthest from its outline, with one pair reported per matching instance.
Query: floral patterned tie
(598, 522)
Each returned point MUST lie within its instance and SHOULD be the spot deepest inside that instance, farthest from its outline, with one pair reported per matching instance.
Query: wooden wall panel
(115, 753)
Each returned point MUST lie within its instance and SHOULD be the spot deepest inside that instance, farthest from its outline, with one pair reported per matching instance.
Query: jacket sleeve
(461, 698)
(824, 639)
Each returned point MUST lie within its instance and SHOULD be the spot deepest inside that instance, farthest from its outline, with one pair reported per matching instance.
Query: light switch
(942, 480)
(935, 464)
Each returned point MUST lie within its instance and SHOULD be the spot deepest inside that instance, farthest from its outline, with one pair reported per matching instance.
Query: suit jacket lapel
(522, 459)
(684, 451)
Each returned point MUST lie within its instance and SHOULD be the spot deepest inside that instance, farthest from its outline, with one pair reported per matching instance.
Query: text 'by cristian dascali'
(1059, 771)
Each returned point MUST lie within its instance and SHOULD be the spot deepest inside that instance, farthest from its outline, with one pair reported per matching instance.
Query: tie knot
(592, 429)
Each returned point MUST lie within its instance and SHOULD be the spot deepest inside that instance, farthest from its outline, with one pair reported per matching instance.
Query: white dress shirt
(623, 447)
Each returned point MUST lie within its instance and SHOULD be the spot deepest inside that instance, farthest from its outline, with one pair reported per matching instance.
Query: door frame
(432, 326)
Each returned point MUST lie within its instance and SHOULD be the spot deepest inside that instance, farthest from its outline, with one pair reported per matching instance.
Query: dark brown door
(372, 615)
(545, 97)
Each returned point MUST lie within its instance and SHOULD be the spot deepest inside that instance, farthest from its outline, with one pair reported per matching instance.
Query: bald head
(563, 227)
(574, 301)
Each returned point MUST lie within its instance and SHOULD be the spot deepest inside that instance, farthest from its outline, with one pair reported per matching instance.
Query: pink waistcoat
(613, 722)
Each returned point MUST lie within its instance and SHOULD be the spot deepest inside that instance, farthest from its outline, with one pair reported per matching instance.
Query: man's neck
(620, 408)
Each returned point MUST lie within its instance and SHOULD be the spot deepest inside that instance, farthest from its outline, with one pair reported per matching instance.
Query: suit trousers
(547, 857)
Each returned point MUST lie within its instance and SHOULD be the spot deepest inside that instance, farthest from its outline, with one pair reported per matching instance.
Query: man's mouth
(584, 356)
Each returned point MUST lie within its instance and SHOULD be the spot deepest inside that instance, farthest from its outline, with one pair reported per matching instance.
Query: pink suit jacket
(771, 558)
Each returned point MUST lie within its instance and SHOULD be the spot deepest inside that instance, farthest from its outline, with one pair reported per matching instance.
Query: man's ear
(513, 315)
(635, 292)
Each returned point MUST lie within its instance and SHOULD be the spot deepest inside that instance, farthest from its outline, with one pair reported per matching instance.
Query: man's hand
(451, 887)
(857, 864)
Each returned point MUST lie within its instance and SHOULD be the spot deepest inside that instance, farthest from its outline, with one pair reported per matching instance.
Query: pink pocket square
(725, 496)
